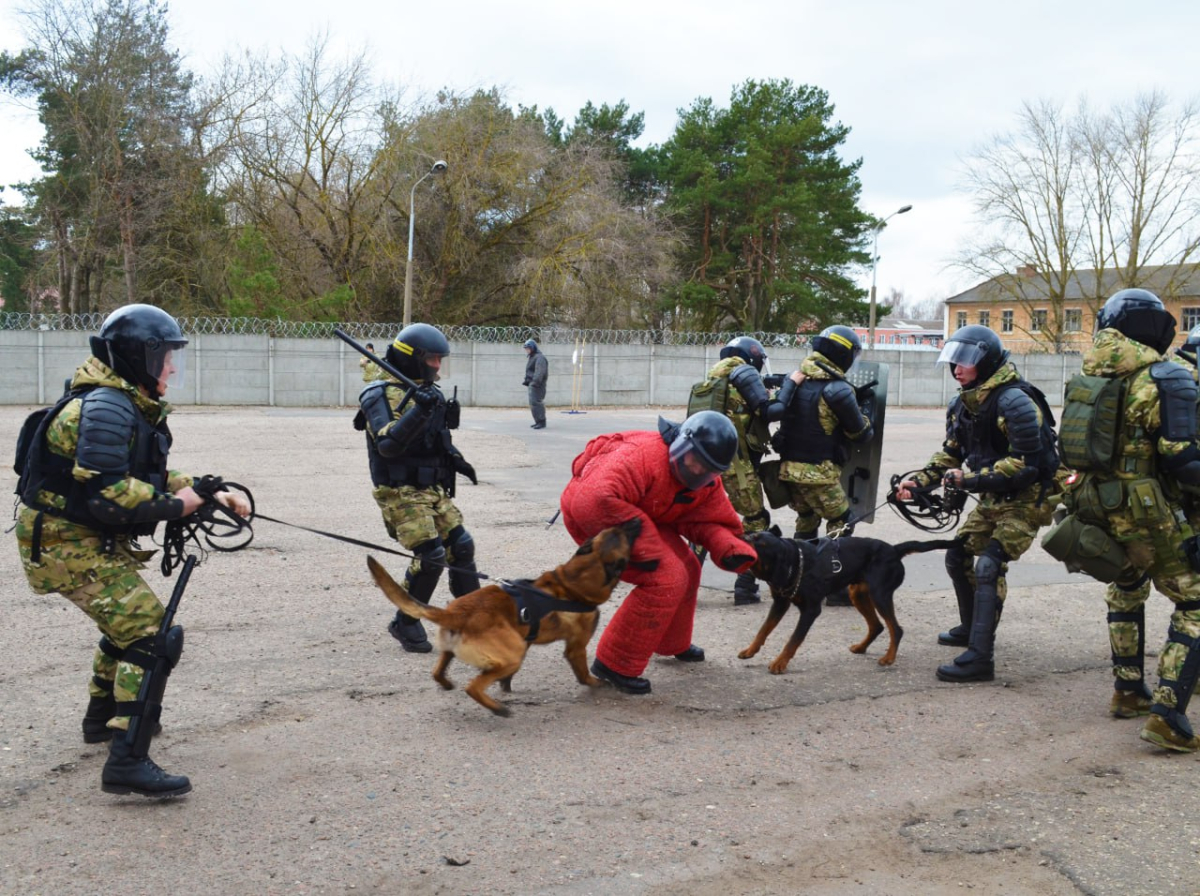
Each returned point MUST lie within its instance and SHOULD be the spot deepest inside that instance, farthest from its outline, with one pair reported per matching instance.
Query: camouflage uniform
(1153, 545)
(108, 587)
(371, 371)
(1012, 520)
(741, 480)
(815, 489)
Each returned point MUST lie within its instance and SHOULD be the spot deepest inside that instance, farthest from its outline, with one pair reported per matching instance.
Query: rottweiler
(803, 573)
(492, 628)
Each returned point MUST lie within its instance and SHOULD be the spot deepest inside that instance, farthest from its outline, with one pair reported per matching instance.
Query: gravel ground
(325, 760)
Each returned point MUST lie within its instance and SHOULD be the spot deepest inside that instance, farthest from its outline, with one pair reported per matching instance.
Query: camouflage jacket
(72, 554)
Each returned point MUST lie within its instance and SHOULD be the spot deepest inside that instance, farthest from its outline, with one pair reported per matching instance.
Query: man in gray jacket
(536, 371)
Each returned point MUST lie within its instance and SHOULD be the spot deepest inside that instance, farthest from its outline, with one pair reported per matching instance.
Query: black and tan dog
(492, 628)
(803, 573)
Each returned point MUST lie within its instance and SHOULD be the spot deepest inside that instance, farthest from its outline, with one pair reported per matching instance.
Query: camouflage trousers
(815, 492)
(414, 516)
(1011, 524)
(108, 587)
(1126, 636)
(745, 492)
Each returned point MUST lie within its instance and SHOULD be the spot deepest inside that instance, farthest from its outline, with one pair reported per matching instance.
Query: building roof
(1166, 281)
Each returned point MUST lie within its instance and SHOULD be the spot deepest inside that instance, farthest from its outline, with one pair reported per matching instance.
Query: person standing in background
(537, 369)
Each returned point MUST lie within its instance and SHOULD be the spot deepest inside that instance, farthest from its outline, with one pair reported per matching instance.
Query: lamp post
(439, 167)
(874, 263)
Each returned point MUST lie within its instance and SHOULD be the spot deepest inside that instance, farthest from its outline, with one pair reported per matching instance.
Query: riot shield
(860, 474)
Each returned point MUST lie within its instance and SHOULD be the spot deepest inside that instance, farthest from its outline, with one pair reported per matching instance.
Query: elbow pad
(1176, 401)
(410, 427)
(750, 386)
(840, 397)
(1184, 466)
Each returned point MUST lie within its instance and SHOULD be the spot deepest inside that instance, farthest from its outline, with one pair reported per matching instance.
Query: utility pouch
(1147, 504)
(776, 492)
(1087, 549)
(1111, 496)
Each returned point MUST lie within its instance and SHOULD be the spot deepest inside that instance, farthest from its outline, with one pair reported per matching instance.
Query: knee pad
(990, 564)
(108, 648)
(460, 546)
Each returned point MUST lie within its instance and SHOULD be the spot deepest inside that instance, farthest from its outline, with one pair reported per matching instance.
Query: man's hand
(904, 489)
(235, 501)
(191, 500)
(952, 479)
(426, 396)
(525, 382)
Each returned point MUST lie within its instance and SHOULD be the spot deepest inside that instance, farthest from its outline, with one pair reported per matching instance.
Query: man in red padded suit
(671, 480)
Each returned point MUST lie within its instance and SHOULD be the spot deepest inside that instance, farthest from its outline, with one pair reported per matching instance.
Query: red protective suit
(626, 474)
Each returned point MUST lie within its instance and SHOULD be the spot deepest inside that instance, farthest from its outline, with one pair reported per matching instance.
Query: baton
(383, 365)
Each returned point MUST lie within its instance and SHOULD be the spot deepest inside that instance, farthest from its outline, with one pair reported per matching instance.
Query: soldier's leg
(746, 496)
(808, 521)
(101, 705)
(960, 566)
(834, 507)
(977, 662)
(460, 554)
(1127, 637)
(129, 615)
(1178, 668)
(410, 515)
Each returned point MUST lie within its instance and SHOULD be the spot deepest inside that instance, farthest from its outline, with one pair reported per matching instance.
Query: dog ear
(586, 548)
(775, 530)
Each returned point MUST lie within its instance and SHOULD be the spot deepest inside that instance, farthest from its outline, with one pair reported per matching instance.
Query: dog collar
(794, 583)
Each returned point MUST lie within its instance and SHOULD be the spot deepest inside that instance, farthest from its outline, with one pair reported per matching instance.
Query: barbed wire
(290, 329)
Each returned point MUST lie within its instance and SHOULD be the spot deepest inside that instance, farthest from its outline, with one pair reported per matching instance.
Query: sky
(921, 84)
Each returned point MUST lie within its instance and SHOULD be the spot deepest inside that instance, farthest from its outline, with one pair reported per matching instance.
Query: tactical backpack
(709, 395)
(1091, 422)
(33, 431)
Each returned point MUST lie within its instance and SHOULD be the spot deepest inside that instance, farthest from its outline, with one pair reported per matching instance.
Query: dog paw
(886, 660)
(445, 684)
(858, 648)
(777, 668)
(503, 711)
(592, 681)
(747, 654)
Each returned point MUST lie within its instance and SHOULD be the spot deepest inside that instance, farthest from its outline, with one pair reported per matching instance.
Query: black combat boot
(410, 633)
(626, 684)
(977, 663)
(745, 590)
(125, 772)
(959, 635)
(406, 629)
(95, 718)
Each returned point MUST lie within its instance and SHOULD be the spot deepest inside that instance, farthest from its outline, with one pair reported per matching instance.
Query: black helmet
(1190, 345)
(135, 340)
(974, 346)
(839, 344)
(703, 448)
(748, 349)
(1140, 315)
(412, 346)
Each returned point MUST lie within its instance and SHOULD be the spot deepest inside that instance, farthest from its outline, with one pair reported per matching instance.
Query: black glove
(426, 396)
(774, 380)
(731, 562)
(865, 393)
(461, 466)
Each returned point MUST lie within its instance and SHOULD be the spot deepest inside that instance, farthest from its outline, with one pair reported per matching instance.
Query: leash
(926, 510)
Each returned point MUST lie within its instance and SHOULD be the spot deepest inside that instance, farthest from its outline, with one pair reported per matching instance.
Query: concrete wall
(264, 370)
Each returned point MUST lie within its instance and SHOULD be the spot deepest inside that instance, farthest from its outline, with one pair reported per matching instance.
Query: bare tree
(1075, 206)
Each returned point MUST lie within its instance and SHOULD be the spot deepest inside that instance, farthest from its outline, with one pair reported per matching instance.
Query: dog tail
(920, 547)
(395, 592)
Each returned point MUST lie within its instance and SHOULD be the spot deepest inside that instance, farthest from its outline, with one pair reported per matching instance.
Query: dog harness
(533, 605)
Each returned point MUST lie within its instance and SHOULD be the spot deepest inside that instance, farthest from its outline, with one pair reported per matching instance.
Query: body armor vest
(427, 461)
(983, 441)
(52, 473)
(803, 438)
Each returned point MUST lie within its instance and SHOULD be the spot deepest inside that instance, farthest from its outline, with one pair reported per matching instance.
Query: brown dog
(492, 628)
(804, 573)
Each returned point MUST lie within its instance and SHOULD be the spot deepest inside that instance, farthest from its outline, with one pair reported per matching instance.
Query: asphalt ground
(325, 760)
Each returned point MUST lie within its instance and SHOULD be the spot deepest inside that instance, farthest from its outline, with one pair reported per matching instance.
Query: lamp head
(439, 167)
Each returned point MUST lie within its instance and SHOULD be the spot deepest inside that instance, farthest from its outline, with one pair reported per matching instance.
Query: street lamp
(874, 263)
(439, 167)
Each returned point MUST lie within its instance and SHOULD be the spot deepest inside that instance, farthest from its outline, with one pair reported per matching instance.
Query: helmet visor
(690, 465)
(962, 354)
(167, 364)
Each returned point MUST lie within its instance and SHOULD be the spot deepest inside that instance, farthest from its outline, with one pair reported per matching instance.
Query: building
(905, 334)
(1019, 306)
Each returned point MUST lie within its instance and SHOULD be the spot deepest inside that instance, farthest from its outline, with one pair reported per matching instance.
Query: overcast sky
(919, 83)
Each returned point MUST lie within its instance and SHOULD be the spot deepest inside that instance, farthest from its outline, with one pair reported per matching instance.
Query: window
(1191, 317)
(1037, 321)
(1006, 321)
(1073, 320)
(985, 318)
(960, 320)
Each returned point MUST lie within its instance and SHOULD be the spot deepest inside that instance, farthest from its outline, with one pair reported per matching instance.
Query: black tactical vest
(803, 438)
(426, 462)
(52, 473)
